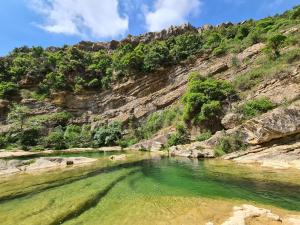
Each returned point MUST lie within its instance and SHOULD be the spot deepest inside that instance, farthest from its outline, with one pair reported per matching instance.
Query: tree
(18, 114)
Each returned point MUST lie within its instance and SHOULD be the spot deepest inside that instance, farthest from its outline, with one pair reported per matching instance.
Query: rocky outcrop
(8, 167)
(135, 40)
(231, 120)
(251, 51)
(193, 150)
(278, 123)
(242, 213)
(282, 88)
(278, 156)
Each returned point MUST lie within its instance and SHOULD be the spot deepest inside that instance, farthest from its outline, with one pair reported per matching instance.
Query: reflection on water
(144, 190)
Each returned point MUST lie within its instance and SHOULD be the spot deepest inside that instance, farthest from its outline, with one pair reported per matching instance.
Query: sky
(58, 22)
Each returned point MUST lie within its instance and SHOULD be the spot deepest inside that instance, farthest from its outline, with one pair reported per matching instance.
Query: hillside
(124, 92)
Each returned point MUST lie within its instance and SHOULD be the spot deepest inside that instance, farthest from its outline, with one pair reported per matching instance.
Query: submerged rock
(118, 157)
(13, 166)
(240, 214)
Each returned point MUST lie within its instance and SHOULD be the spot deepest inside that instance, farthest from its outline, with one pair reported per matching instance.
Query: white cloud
(96, 18)
(171, 12)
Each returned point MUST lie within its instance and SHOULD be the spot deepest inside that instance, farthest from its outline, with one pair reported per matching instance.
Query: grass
(266, 69)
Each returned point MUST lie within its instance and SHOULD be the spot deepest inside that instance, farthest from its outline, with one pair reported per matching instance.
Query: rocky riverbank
(21, 153)
(9, 167)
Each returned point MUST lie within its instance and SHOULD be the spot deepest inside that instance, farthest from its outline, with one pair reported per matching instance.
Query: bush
(158, 120)
(182, 46)
(156, 55)
(108, 135)
(295, 13)
(55, 139)
(8, 89)
(255, 107)
(76, 136)
(3, 142)
(127, 141)
(230, 143)
(204, 136)
(180, 137)
(274, 44)
(29, 137)
(203, 100)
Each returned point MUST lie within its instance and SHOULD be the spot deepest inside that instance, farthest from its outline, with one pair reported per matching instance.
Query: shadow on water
(91, 202)
(51, 185)
(186, 178)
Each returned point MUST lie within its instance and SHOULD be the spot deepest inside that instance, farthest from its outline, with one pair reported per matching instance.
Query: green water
(142, 190)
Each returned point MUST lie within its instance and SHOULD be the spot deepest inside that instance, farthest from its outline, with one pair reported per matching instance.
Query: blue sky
(58, 22)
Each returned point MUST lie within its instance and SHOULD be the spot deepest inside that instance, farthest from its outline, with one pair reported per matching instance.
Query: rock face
(278, 123)
(193, 150)
(283, 156)
(231, 120)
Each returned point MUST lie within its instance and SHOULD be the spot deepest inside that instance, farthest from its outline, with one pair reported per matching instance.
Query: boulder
(278, 123)
(218, 68)
(155, 144)
(240, 214)
(231, 120)
(193, 150)
(251, 51)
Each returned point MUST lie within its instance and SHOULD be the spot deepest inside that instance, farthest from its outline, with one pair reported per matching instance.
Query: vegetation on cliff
(74, 69)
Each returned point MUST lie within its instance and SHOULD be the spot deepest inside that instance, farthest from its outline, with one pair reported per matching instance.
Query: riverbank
(4, 154)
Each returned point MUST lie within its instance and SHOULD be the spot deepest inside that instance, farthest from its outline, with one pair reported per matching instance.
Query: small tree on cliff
(18, 114)
(274, 44)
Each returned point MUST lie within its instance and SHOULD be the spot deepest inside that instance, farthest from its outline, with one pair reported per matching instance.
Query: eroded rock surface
(193, 150)
(8, 167)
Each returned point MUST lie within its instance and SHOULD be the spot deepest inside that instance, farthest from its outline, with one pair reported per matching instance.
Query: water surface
(144, 190)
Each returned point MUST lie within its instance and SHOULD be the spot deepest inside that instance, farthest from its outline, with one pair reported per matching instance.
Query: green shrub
(156, 55)
(8, 89)
(274, 44)
(29, 137)
(292, 56)
(180, 137)
(108, 135)
(127, 141)
(182, 46)
(158, 120)
(55, 139)
(72, 136)
(230, 143)
(3, 142)
(53, 119)
(255, 107)
(203, 100)
(295, 13)
(78, 136)
(204, 136)
(18, 114)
